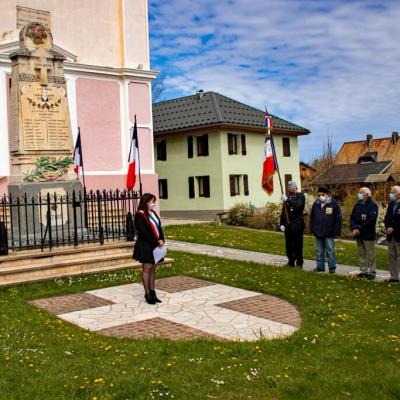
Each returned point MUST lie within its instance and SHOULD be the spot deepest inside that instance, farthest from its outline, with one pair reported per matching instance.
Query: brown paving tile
(71, 302)
(156, 327)
(180, 283)
(264, 306)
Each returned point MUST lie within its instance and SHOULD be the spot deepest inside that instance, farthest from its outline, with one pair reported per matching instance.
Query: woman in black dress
(150, 235)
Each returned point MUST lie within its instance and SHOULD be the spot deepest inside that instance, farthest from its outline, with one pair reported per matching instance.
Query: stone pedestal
(40, 134)
(34, 206)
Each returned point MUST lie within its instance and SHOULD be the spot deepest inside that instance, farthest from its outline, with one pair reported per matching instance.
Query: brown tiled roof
(352, 151)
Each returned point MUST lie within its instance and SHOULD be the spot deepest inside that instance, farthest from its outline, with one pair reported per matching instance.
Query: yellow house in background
(209, 151)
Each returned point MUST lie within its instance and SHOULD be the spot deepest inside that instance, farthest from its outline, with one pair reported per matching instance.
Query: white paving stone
(195, 308)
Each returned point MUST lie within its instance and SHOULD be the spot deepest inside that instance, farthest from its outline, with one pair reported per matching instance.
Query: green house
(209, 152)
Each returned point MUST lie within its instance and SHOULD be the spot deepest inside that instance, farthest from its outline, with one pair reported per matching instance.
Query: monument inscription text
(27, 15)
(44, 115)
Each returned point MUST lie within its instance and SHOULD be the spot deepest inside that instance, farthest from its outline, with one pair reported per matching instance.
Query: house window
(190, 146)
(288, 178)
(203, 186)
(232, 144)
(163, 188)
(162, 150)
(202, 145)
(286, 146)
(234, 183)
(203, 183)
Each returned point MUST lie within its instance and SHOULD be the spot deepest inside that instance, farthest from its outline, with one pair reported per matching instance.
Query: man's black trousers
(294, 247)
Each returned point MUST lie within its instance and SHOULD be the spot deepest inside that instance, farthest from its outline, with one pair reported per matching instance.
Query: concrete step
(60, 272)
(34, 265)
(86, 258)
(64, 253)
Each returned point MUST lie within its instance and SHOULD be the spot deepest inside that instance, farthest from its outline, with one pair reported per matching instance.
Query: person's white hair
(395, 189)
(366, 191)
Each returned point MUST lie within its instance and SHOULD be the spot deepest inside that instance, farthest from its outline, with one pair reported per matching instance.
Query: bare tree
(158, 88)
(327, 158)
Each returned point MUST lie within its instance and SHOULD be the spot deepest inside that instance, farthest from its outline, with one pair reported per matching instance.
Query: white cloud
(331, 66)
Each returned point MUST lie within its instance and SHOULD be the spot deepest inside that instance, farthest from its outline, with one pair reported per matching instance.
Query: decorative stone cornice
(71, 66)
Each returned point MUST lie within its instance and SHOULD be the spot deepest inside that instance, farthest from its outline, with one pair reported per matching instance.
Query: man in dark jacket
(392, 224)
(362, 224)
(292, 224)
(325, 224)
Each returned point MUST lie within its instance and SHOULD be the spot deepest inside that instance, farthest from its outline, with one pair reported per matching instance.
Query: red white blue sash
(153, 222)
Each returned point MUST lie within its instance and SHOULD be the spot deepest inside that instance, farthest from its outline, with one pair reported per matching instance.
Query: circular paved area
(191, 308)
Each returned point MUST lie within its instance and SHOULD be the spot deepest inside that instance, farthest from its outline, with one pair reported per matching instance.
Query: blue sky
(330, 66)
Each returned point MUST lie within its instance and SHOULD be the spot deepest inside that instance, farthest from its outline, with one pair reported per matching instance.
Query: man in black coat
(326, 225)
(392, 225)
(292, 224)
(362, 224)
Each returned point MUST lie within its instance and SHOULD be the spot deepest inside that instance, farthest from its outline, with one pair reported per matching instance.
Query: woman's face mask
(392, 197)
(360, 197)
(153, 206)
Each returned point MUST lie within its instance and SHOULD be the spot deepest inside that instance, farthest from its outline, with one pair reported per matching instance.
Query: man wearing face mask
(392, 224)
(292, 224)
(325, 224)
(362, 224)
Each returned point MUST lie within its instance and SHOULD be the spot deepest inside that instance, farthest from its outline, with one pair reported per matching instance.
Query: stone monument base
(36, 188)
(37, 206)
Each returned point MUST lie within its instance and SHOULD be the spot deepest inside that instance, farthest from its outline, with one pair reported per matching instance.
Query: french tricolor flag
(78, 159)
(133, 159)
(269, 164)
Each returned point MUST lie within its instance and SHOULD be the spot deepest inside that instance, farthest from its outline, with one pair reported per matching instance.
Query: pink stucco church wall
(99, 113)
(99, 118)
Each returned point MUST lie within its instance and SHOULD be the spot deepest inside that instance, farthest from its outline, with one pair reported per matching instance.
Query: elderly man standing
(362, 224)
(326, 225)
(392, 224)
(292, 223)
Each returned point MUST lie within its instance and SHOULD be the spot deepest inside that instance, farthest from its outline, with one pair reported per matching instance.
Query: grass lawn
(263, 241)
(348, 346)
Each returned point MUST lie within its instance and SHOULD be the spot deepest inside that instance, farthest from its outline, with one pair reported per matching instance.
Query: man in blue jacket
(362, 224)
(392, 224)
(326, 225)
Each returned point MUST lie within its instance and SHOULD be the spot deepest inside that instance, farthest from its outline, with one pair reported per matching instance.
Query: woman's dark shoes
(156, 299)
(149, 298)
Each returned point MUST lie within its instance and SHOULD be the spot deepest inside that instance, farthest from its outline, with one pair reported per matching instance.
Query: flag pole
(83, 178)
(81, 155)
(140, 175)
(277, 169)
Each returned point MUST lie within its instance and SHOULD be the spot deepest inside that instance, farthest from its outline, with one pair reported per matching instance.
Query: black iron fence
(56, 220)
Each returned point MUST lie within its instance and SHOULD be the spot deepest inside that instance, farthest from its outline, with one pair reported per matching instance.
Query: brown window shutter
(206, 186)
(286, 146)
(230, 143)
(165, 183)
(191, 187)
(164, 149)
(190, 146)
(205, 145)
(243, 141)
(246, 184)
(232, 184)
